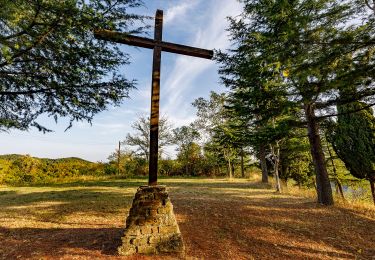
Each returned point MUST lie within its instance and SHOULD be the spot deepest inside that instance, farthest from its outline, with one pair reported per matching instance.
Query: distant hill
(17, 169)
(67, 159)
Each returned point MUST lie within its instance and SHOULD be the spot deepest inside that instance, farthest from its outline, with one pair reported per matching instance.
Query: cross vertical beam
(155, 97)
(158, 46)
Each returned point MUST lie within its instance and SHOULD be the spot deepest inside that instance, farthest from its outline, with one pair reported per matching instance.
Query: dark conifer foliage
(290, 61)
(353, 139)
(50, 62)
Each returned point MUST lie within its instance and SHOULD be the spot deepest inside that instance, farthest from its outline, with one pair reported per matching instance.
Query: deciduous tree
(141, 137)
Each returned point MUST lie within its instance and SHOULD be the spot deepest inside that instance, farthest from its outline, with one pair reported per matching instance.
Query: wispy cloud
(210, 34)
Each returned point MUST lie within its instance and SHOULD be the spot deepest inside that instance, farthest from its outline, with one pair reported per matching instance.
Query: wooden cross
(158, 45)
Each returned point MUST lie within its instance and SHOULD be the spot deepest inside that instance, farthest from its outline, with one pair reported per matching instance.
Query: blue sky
(199, 23)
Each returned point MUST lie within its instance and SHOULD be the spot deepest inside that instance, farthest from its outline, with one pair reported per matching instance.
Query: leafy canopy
(50, 62)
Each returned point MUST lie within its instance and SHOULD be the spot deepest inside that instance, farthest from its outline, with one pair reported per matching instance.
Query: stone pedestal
(151, 226)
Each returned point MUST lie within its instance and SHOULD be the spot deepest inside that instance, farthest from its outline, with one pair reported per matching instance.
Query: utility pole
(118, 157)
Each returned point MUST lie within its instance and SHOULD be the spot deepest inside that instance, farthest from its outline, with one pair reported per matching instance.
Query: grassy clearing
(219, 219)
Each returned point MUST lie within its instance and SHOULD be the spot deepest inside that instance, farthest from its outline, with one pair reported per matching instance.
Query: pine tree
(353, 139)
(292, 54)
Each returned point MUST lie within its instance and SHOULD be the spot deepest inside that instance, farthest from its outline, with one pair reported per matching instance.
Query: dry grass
(219, 219)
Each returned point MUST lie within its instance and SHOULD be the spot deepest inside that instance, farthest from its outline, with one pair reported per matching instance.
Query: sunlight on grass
(238, 219)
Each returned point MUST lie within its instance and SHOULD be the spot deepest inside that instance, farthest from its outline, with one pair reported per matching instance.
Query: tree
(370, 4)
(141, 137)
(225, 138)
(295, 159)
(191, 158)
(219, 131)
(311, 47)
(50, 62)
(184, 137)
(353, 139)
(214, 157)
(210, 113)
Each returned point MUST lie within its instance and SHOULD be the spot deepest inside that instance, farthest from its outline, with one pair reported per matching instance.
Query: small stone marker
(151, 226)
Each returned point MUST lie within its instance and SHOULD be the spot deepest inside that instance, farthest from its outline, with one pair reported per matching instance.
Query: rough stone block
(146, 249)
(170, 244)
(168, 229)
(145, 230)
(139, 241)
(127, 250)
(151, 226)
(154, 239)
(152, 221)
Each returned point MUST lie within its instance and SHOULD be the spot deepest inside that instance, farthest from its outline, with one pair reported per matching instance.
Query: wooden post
(155, 97)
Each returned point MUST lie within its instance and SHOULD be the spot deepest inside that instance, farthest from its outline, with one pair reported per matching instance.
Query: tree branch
(31, 25)
(347, 113)
(369, 6)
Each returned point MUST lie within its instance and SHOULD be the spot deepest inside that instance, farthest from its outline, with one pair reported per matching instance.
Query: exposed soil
(218, 220)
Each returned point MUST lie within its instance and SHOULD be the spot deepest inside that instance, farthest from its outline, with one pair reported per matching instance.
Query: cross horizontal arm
(186, 50)
(150, 44)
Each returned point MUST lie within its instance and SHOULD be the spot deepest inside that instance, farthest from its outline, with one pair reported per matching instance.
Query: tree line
(200, 151)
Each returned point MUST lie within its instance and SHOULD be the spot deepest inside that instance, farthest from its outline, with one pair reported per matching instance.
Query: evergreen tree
(353, 139)
(50, 62)
(295, 159)
(305, 44)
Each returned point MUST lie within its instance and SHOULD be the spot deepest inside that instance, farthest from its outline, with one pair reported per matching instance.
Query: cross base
(151, 227)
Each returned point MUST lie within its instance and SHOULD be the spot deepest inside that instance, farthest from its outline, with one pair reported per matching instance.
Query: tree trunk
(242, 165)
(339, 186)
(233, 169)
(338, 183)
(230, 169)
(323, 184)
(218, 168)
(372, 184)
(276, 165)
(263, 163)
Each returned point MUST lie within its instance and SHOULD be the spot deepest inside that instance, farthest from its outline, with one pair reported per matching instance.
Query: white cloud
(178, 11)
(210, 34)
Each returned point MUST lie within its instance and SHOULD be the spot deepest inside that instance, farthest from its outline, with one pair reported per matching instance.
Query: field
(219, 219)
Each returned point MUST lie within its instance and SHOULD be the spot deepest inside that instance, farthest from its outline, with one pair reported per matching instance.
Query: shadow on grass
(55, 206)
(267, 225)
(217, 184)
(25, 242)
(219, 220)
(119, 183)
(4, 193)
